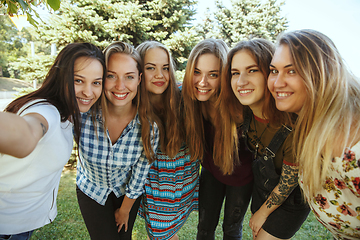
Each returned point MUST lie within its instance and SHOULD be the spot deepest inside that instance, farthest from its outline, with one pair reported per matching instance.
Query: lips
(244, 92)
(283, 94)
(84, 101)
(120, 96)
(203, 91)
(159, 83)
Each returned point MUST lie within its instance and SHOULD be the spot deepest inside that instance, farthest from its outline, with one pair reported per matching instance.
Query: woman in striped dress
(171, 192)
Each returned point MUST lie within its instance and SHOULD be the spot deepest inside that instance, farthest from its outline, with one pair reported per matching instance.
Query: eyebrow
(251, 66)
(287, 66)
(155, 64)
(77, 75)
(109, 71)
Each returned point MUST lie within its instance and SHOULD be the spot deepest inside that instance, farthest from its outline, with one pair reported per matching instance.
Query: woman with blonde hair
(277, 207)
(308, 77)
(232, 182)
(171, 192)
(116, 146)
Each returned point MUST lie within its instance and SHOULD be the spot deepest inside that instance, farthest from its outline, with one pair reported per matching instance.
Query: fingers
(254, 229)
(254, 235)
(120, 225)
(126, 226)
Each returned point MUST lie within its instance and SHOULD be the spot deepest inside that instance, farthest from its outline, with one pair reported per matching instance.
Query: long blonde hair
(168, 120)
(140, 101)
(193, 116)
(330, 112)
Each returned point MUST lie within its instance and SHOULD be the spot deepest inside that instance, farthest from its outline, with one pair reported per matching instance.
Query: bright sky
(338, 19)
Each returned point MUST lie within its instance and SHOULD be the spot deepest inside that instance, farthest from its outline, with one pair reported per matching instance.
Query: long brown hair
(193, 117)
(226, 147)
(58, 86)
(168, 118)
(140, 100)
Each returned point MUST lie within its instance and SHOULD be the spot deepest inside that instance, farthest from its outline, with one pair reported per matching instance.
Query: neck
(128, 110)
(258, 110)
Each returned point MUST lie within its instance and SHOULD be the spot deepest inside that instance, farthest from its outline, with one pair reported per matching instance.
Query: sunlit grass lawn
(70, 225)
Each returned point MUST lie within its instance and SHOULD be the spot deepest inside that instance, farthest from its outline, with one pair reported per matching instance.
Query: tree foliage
(134, 21)
(27, 7)
(104, 21)
(246, 19)
(33, 67)
(12, 44)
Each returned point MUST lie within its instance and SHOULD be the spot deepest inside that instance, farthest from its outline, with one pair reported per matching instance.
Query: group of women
(274, 124)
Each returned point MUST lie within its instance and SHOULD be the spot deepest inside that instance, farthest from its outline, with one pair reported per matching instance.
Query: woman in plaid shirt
(116, 146)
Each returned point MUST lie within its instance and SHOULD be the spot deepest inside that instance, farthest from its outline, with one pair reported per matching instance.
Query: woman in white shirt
(36, 138)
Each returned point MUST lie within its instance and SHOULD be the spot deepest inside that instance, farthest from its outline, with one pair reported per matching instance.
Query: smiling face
(156, 70)
(122, 80)
(206, 77)
(285, 84)
(88, 73)
(247, 81)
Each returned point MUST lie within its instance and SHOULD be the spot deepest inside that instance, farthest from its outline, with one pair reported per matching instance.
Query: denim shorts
(19, 236)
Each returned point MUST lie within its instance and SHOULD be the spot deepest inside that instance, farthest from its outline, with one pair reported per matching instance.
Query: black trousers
(100, 220)
(212, 194)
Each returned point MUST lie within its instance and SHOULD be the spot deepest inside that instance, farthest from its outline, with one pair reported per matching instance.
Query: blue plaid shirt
(121, 168)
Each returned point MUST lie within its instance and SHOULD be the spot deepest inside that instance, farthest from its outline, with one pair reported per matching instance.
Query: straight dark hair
(58, 86)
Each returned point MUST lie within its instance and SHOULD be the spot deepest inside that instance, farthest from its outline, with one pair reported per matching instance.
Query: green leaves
(245, 19)
(54, 4)
(26, 7)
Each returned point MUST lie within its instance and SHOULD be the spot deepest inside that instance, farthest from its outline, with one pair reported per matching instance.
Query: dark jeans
(211, 197)
(19, 236)
(100, 220)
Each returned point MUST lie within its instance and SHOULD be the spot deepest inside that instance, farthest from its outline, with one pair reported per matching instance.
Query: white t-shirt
(29, 186)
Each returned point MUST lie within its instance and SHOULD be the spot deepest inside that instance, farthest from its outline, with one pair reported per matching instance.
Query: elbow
(21, 154)
(23, 151)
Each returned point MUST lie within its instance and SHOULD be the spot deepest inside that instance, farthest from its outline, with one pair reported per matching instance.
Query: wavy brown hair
(140, 101)
(167, 116)
(232, 110)
(193, 109)
(58, 86)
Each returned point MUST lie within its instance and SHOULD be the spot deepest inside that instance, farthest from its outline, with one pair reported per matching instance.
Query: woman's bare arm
(19, 135)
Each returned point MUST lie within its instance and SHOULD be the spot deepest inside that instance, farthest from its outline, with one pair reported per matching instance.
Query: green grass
(70, 225)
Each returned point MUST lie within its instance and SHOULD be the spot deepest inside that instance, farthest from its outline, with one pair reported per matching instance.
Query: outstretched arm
(288, 181)
(19, 135)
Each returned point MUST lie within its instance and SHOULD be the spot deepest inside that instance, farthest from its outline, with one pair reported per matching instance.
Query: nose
(203, 81)
(158, 74)
(87, 90)
(279, 81)
(242, 81)
(120, 84)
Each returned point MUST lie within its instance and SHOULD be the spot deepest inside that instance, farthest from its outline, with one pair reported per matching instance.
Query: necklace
(258, 140)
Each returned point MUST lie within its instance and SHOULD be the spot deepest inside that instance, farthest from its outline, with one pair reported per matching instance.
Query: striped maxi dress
(171, 194)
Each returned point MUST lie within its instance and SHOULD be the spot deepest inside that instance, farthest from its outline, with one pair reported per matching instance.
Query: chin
(83, 110)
